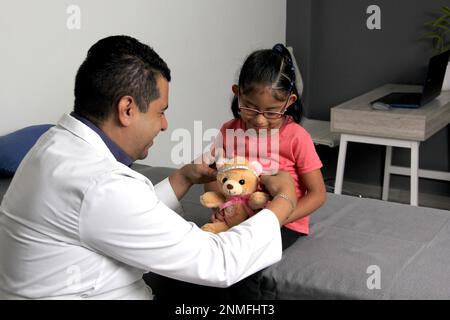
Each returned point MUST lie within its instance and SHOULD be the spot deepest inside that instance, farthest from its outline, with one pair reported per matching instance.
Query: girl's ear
(235, 89)
(292, 99)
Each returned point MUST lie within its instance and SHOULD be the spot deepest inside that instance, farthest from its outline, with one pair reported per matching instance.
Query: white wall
(203, 41)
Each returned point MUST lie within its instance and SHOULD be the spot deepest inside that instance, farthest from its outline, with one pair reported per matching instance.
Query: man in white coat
(77, 222)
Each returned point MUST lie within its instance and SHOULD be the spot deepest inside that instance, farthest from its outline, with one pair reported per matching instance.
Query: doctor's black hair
(274, 68)
(114, 67)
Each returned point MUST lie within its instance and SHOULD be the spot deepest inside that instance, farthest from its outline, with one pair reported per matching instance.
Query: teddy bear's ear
(257, 167)
(220, 162)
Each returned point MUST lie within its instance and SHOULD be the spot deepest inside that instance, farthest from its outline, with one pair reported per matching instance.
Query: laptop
(431, 88)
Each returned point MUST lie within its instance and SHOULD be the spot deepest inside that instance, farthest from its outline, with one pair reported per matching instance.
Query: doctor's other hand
(282, 188)
(281, 182)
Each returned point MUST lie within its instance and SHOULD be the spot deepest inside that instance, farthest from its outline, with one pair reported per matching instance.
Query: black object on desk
(431, 88)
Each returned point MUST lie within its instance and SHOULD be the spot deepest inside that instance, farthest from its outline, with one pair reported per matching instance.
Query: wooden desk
(356, 121)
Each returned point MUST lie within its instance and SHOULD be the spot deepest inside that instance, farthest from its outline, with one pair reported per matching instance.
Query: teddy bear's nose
(229, 186)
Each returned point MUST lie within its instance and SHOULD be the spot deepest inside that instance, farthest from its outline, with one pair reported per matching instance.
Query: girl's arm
(313, 199)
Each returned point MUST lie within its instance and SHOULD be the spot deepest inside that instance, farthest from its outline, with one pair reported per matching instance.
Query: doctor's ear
(235, 89)
(126, 109)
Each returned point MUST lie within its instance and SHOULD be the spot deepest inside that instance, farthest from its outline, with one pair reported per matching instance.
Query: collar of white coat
(91, 137)
(82, 131)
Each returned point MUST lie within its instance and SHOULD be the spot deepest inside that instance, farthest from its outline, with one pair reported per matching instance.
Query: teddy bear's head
(238, 198)
(238, 177)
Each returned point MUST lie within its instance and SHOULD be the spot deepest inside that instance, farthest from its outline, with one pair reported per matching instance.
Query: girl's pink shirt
(293, 151)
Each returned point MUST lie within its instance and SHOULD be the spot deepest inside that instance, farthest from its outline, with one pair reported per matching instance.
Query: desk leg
(387, 173)
(415, 174)
(341, 164)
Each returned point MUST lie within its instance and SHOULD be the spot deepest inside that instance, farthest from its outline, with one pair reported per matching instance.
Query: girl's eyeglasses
(250, 112)
(267, 114)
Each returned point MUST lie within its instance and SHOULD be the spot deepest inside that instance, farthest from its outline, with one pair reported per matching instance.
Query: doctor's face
(150, 123)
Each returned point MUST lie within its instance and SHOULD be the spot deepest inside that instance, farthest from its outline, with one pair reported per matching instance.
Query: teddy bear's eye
(242, 181)
(224, 180)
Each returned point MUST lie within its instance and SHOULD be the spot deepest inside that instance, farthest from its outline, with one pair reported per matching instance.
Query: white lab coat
(75, 224)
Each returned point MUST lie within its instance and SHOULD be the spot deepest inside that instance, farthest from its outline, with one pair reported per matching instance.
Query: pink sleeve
(219, 141)
(304, 152)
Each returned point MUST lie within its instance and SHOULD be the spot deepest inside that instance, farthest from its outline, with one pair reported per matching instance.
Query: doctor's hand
(200, 170)
(198, 173)
(182, 179)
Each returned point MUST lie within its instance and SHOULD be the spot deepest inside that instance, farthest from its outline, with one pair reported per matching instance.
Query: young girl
(267, 108)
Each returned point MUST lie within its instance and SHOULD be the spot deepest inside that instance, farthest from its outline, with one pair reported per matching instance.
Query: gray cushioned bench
(358, 249)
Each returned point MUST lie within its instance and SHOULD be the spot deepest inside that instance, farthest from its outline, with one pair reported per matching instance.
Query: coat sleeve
(165, 193)
(124, 219)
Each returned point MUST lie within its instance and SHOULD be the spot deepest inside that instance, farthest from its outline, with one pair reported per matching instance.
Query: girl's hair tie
(278, 48)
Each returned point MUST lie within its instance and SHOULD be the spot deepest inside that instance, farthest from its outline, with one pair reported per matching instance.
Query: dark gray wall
(340, 58)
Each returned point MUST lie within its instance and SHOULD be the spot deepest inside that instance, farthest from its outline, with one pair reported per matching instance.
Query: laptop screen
(435, 76)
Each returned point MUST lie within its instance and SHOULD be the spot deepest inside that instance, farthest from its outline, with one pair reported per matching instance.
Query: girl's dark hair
(274, 68)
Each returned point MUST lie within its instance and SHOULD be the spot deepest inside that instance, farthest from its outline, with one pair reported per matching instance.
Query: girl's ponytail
(287, 71)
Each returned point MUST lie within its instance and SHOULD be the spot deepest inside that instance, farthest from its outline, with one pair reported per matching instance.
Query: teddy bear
(238, 180)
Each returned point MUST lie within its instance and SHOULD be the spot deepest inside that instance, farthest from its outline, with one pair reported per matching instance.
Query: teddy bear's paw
(212, 199)
(258, 200)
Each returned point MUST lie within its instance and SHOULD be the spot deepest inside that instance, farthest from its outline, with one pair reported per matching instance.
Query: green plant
(440, 28)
